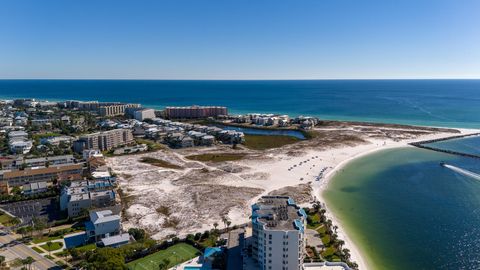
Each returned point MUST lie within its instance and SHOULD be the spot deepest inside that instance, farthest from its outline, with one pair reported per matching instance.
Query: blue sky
(241, 39)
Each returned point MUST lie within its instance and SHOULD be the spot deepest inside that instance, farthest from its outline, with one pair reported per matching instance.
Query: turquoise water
(452, 103)
(405, 211)
(402, 208)
(468, 145)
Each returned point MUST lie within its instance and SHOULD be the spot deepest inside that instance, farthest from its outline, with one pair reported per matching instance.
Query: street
(15, 249)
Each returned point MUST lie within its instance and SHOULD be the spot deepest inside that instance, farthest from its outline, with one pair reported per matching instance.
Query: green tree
(49, 245)
(106, 259)
(138, 234)
(39, 224)
(28, 261)
(2, 260)
(163, 265)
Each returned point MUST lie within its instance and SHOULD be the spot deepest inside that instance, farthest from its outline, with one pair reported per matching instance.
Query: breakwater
(424, 145)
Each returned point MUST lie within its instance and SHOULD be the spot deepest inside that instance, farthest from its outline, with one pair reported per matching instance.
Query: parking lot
(26, 210)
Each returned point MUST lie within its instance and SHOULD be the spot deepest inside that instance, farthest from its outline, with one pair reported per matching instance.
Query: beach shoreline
(356, 253)
(302, 170)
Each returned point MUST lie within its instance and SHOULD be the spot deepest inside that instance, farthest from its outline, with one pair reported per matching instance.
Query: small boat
(442, 164)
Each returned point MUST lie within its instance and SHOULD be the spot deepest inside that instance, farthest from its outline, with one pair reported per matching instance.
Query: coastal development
(108, 185)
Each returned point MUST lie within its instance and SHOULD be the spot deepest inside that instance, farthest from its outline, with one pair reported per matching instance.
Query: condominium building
(15, 178)
(103, 141)
(195, 112)
(143, 114)
(83, 195)
(115, 109)
(278, 233)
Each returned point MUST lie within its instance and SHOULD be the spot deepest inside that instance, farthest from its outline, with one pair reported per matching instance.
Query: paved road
(22, 251)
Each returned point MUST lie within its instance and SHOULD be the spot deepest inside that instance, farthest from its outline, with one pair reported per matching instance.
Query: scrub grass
(160, 163)
(220, 157)
(263, 142)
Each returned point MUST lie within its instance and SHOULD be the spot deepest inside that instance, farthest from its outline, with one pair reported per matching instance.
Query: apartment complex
(82, 195)
(13, 178)
(103, 141)
(278, 228)
(115, 109)
(17, 162)
(143, 114)
(194, 112)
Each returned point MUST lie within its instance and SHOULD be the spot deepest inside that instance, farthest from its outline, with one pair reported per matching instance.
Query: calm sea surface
(453, 103)
(408, 212)
(400, 206)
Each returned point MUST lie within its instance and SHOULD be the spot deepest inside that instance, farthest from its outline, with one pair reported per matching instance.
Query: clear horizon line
(296, 79)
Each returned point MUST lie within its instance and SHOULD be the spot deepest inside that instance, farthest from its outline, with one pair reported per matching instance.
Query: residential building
(87, 154)
(103, 141)
(83, 195)
(104, 227)
(32, 175)
(34, 188)
(278, 226)
(18, 162)
(115, 109)
(143, 114)
(57, 140)
(195, 112)
(20, 146)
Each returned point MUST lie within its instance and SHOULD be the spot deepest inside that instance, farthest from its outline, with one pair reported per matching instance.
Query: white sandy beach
(197, 200)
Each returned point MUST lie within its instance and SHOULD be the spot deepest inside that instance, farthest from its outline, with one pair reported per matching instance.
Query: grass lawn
(262, 142)
(216, 157)
(326, 239)
(44, 238)
(38, 250)
(54, 246)
(175, 254)
(6, 220)
(328, 252)
(86, 247)
(322, 230)
(159, 163)
(152, 146)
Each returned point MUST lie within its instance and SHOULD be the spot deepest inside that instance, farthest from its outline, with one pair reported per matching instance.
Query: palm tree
(28, 261)
(224, 220)
(49, 245)
(215, 225)
(335, 228)
(341, 243)
(228, 223)
(15, 221)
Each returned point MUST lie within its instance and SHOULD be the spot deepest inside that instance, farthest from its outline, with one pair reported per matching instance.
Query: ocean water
(405, 211)
(401, 208)
(468, 145)
(451, 103)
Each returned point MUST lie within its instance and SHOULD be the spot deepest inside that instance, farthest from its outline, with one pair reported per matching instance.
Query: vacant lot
(175, 255)
(220, 157)
(263, 142)
(160, 163)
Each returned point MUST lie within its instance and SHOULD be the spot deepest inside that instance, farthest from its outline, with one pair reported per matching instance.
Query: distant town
(61, 206)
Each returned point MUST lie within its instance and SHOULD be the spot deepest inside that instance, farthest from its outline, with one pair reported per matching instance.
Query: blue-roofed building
(278, 233)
